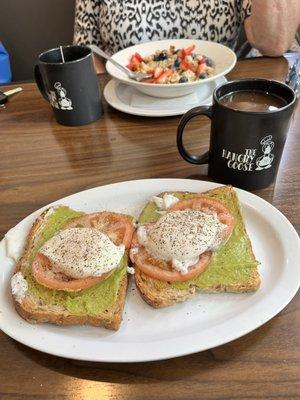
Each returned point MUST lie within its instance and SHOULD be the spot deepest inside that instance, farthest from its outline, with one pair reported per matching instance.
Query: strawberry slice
(157, 72)
(188, 50)
(185, 65)
(201, 68)
(163, 77)
(134, 63)
(149, 80)
(139, 57)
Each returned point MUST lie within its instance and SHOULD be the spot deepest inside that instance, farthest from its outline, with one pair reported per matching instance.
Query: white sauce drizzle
(19, 286)
(162, 203)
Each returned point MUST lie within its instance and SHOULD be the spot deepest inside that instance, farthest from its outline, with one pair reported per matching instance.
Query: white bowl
(223, 57)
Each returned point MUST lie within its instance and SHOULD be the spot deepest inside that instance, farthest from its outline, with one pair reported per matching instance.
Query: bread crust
(21, 264)
(31, 309)
(151, 291)
(33, 312)
(162, 298)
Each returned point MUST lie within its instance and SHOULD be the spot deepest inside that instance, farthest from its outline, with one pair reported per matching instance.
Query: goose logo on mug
(58, 99)
(265, 161)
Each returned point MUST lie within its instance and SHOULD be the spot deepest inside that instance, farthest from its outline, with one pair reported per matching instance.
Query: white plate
(129, 100)
(206, 321)
(223, 57)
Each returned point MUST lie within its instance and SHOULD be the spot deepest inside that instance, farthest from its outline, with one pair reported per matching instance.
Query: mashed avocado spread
(91, 301)
(233, 263)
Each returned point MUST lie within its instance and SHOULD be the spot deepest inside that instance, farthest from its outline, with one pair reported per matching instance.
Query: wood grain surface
(42, 161)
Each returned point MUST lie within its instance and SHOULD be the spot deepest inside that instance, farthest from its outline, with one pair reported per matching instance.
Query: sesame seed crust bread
(35, 310)
(162, 294)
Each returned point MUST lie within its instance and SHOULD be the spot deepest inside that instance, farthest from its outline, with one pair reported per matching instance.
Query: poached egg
(181, 237)
(82, 252)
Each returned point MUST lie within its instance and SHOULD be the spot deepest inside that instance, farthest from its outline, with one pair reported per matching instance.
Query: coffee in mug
(252, 100)
(249, 124)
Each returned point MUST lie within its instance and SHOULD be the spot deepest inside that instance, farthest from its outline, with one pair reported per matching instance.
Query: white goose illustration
(265, 161)
(63, 101)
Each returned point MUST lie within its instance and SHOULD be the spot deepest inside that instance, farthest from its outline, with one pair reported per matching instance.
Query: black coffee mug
(245, 147)
(67, 79)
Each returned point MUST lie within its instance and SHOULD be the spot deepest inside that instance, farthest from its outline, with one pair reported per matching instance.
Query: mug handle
(39, 81)
(201, 159)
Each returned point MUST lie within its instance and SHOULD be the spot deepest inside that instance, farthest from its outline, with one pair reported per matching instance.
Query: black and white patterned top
(116, 24)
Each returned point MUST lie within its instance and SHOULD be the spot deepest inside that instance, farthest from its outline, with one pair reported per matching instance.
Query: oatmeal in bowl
(178, 67)
(173, 65)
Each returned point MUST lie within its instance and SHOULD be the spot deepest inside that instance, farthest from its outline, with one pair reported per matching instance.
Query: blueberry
(183, 79)
(203, 75)
(176, 63)
(160, 57)
(209, 62)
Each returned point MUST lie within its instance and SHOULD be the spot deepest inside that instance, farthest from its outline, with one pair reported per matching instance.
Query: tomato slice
(202, 203)
(116, 226)
(163, 270)
(44, 273)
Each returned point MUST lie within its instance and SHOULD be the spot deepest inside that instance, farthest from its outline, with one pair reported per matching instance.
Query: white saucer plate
(201, 323)
(126, 98)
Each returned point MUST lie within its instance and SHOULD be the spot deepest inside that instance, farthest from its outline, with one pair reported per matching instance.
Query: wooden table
(42, 161)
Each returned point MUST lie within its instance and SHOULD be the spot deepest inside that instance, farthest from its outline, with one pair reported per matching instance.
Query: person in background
(270, 25)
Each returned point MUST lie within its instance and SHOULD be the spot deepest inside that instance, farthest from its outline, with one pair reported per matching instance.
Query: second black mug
(245, 146)
(67, 79)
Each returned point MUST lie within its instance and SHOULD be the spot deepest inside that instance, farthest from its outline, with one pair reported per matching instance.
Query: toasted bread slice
(100, 305)
(233, 267)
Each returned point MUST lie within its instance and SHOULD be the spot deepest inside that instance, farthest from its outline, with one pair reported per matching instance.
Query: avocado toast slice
(233, 267)
(98, 305)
